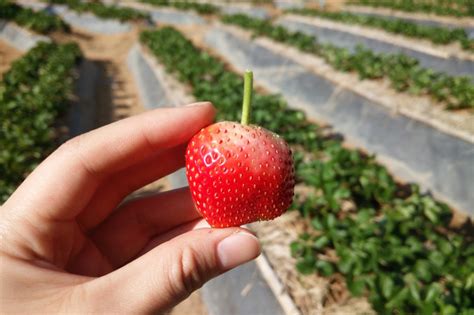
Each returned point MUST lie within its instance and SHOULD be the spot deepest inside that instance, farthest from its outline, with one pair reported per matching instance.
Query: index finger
(62, 185)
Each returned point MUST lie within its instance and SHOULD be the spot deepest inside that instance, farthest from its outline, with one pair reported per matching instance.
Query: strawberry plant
(440, 7)
(437, 35)
(104, 11)
(201, 8)
(40, 22)
(33, 94)
(404, 72)
(392, 244)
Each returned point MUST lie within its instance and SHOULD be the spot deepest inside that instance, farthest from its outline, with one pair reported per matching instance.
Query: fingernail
(198, 104)
(237, 249)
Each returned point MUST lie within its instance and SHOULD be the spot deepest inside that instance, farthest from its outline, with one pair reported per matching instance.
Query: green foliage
(392, 244)
(40, 22)
(399, 253)
(104, 11)
(201, 8)
(438, 35)
(405, 73)
(441, 7)
(33, 93)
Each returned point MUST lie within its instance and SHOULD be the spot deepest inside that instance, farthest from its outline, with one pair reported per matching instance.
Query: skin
(69, 244)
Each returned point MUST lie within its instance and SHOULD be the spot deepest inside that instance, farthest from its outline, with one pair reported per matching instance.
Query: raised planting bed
(350, 37)
(458, 8)
(388, 241)
(467, 26)
(33, 95)
(201, 8)
(416, 149)
(255, 12)
(83, 19)
(285, 4)
(436, 34)
(18, 37)
(405, 73)
(37, 21)
(163, 13)
(102, 11)
(156, 89)
(171, 16)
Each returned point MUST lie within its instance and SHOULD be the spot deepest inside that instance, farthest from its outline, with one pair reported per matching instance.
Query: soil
(8, 54)
(117, 96)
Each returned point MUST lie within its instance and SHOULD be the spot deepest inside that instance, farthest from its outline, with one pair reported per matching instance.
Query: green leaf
(436, 258)
(345, 262)
(398, 300)
(321, 242)
(386, 285)
(325, 268)
(296, 248)
(331, 221)
(317, 224)
(469, 284)
(422, 270)
(444, 247)
(305, 267)
(414, 292)
(448, 310)
(356, 286)
(434, 291)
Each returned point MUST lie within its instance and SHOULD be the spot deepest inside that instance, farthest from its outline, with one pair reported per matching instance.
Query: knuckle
(72, 145)
(189, 272)
(76, 149)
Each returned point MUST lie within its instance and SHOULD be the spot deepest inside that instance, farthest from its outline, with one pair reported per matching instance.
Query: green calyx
(247, 102)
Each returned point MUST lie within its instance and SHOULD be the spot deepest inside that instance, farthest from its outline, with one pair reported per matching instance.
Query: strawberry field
(382, 137)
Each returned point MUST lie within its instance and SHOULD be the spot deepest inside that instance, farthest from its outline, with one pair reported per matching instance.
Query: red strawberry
(239, 173)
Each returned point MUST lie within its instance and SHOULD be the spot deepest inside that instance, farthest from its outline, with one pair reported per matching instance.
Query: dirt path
(118, 97)
(117, 94)
(8, 54)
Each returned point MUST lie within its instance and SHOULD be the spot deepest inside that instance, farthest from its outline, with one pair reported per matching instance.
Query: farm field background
(375, 98)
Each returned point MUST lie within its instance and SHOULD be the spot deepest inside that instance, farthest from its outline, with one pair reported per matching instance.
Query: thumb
(169, 273)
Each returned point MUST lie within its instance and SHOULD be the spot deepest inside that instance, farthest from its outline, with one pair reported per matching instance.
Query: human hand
(68, 245)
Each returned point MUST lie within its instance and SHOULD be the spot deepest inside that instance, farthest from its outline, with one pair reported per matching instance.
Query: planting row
(404, 73)
(103, 11)
(440, 7)
(390, 242)
(201, 8)
(40, 22)
(33, 94)
(438, 35)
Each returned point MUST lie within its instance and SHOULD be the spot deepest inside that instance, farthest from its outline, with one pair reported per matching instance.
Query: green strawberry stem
(247, 103)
